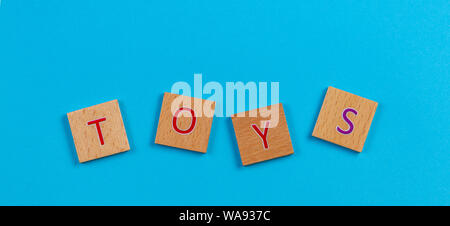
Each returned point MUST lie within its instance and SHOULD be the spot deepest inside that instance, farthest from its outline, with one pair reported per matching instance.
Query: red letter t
(99, 130)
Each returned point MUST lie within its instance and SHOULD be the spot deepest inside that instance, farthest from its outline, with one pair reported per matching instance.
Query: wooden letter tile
(185, 122)
(345, 119)
(98, 131)
(261, 137)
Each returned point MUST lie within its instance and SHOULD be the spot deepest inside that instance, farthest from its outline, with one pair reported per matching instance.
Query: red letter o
(193, 121)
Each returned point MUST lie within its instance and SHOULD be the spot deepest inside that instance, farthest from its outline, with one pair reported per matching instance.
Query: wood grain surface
(251, 145)
(330, 117)
(86, 137)
(198, 139)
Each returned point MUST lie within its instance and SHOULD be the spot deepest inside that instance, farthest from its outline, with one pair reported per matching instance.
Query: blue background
(57, 56)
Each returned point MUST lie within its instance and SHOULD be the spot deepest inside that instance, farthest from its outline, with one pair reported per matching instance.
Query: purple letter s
(350, 124)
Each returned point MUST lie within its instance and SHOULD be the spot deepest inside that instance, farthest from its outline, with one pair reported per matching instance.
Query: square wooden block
(261, 137)
(345, 119)
(98, 131)
(185, 122)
